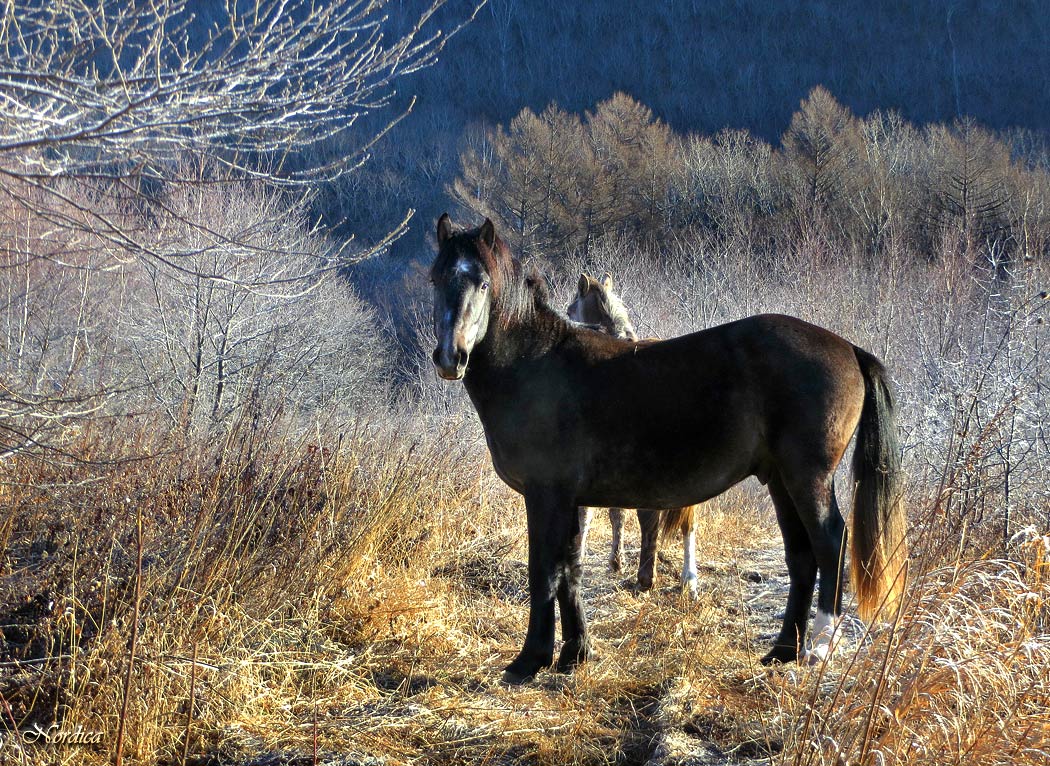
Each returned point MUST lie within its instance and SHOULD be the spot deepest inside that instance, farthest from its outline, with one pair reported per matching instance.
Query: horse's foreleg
(616, 553)
(553, 526)
(650, 522)
(570, 604)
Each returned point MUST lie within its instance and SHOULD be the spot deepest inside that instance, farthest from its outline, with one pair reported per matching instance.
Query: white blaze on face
(454, 334)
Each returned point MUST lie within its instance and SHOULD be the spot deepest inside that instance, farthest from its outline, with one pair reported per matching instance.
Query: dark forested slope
(704, 65)
(701, 66)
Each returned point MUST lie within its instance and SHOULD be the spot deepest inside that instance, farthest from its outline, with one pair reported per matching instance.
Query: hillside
(702, 67)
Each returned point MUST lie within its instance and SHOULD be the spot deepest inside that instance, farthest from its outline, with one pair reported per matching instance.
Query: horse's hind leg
(650, 522)
(818, 511)
(802, 571)
(585, 514)
(829, 540)
(576, 647)
(616, 554)
(689, 575)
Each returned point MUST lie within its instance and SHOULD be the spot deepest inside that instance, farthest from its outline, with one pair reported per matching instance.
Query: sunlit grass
(362, 600)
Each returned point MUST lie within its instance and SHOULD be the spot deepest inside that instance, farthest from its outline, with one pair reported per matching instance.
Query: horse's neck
(509, 347)
(510, 344)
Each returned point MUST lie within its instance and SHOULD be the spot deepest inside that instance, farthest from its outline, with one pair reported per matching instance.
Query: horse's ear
(585, 284)
(444, 228)
(607, 281)
(488, 234)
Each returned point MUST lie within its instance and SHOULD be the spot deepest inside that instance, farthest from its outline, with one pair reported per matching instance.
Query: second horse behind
(597, 305)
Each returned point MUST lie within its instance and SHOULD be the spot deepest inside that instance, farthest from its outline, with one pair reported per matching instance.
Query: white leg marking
(689, 577)
(826, 634)
(585, 524)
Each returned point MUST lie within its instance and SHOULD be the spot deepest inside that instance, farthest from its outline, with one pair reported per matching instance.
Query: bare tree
(202, 350)
(968, 200)
(119, 95)
(104, 108)
(820, 150)
(731, 181)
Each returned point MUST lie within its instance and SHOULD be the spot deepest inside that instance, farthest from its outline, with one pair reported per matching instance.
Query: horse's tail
(878, 543)
(676, 522)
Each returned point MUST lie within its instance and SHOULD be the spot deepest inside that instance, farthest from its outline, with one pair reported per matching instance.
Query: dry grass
(356, 604)
(961, 676)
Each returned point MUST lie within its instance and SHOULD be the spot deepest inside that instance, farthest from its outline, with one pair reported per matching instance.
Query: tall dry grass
(263, 571)
(356, 599)
(274, 591)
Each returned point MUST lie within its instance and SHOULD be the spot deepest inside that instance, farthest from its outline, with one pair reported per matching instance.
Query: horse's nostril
(461, 359)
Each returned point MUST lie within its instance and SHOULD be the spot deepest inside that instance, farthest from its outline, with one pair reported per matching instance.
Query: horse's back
(767, 359)
(796, 380)
(722, 404)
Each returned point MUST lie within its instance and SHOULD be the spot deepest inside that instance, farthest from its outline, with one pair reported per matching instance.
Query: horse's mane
(620, 321)
(520, 295)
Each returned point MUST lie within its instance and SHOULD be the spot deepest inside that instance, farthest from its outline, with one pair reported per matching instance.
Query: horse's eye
(484, 285)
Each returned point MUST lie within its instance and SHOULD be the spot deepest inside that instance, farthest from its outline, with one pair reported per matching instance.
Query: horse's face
(590, 305)
(462, 295)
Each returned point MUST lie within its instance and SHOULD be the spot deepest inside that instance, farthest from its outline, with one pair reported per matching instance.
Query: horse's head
(595, 303)
(590, 304)
(466, 277)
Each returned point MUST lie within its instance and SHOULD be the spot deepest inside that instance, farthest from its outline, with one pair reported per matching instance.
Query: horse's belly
(663, 488)
(630, 465)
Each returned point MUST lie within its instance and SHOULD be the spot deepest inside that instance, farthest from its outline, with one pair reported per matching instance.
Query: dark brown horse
(575, 417)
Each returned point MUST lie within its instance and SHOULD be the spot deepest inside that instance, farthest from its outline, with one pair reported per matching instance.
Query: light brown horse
(575, 417)
(598, 305)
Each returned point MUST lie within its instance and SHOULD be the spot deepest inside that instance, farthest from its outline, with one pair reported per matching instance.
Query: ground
(674, 681)
(329, 640)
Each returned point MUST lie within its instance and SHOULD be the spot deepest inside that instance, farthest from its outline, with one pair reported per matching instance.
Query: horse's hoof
(780, 655)
(516, 679)
(690, 588)
(817, 655)
(524, 669)
(615, 565)
(644, 584)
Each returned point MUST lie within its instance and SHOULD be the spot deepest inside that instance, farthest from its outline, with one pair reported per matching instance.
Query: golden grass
(360, 602)
(962, 676)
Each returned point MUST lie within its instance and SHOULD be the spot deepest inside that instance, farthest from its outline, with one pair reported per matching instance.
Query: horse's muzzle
(450, 366)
